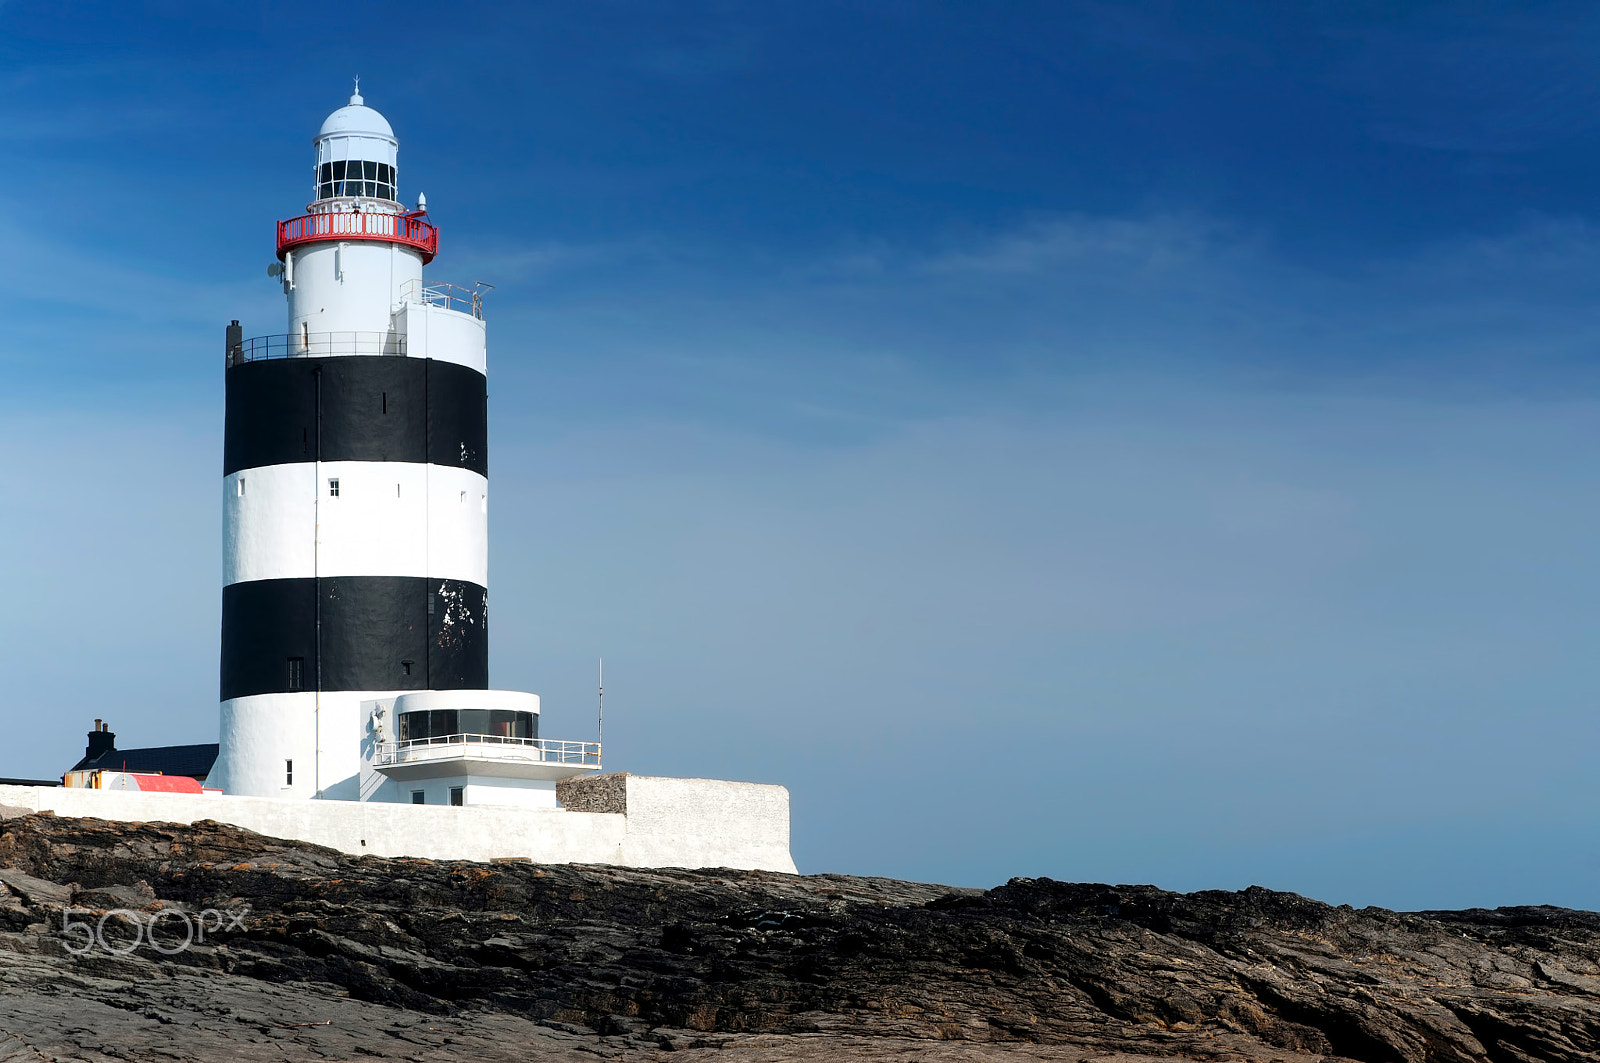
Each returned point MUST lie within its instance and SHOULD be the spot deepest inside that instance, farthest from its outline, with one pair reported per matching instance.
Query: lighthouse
(354, 658)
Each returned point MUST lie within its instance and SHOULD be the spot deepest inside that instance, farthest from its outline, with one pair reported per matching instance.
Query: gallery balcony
(486, 755)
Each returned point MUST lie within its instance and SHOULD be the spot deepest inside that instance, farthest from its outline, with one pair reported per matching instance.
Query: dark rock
(270, 949)
(35, 891)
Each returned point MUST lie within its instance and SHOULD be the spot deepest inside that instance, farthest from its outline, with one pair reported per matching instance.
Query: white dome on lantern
(357, 118)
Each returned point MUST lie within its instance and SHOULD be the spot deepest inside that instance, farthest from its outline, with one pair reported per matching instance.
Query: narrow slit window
(333, 487)
(241, 487)
(305, 335)
(397, 490)
(288, 773)
(295, 677)
(405, 667)
(385, 402)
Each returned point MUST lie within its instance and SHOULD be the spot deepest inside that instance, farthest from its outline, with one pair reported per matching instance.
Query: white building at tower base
(626, 820)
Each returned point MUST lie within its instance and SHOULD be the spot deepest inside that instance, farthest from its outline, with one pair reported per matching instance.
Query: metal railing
(445, 296)
(406, 229)
(533, 750)
(317, 345)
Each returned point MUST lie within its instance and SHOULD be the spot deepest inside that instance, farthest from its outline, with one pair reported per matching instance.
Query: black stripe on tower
(377, 633)
(374, 408)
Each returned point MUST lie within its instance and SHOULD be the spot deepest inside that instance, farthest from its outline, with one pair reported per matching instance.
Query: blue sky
(1119, 442)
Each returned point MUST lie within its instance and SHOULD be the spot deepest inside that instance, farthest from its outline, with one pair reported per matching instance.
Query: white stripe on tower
(388, 519)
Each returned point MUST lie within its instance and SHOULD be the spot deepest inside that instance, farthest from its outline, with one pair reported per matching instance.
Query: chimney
(234, 344)
(101, 740)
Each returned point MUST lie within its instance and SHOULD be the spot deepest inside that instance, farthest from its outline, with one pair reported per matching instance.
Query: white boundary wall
(658, 823)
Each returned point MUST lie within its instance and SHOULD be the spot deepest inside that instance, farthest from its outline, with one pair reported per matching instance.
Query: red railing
(405, 229)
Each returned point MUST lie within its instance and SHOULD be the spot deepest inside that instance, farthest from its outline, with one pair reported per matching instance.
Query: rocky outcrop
(217, 944)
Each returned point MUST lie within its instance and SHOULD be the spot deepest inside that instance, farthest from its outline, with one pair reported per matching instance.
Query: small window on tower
(295, 679)
(333, 487)
(405, 667)
(397, 490)
(288, 773)
(241, 487)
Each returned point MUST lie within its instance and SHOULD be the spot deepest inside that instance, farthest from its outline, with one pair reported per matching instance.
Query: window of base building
(458, 795)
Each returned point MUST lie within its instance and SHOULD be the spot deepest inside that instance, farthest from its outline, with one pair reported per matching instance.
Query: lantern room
(357, 156)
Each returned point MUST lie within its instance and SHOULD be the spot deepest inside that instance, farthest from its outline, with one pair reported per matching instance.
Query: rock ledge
(304, 953)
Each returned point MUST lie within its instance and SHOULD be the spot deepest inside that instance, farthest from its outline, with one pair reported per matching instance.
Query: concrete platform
(628, 820)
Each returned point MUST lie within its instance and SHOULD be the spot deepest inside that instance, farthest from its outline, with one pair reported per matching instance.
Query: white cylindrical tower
(355, 490)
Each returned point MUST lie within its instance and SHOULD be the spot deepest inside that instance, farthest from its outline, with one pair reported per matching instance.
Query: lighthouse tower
(355, 512)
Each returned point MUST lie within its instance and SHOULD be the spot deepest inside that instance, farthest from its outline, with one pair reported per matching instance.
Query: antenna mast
(601, 737)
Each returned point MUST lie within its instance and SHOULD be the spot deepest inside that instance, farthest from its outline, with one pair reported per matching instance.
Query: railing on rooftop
(534, 750)
(446, 296)
(408, 230)
(316, 345)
